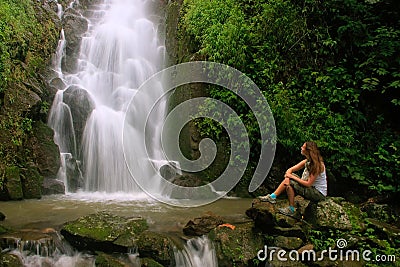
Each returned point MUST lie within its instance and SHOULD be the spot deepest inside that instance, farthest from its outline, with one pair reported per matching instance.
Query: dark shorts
(310, 193)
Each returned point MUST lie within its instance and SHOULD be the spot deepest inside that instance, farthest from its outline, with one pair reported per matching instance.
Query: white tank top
(320, 182)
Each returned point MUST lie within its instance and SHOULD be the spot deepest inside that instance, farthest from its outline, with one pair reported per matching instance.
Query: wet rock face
(45, 151)
(74, 27)
(52, 186)
(81, 106)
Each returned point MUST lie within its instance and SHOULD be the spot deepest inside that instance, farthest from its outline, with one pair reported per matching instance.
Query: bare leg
(282, 186)
(290, 193)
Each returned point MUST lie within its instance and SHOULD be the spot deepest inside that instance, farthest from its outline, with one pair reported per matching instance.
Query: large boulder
(333, 213)
(104, 232)
(81, 105)
(266, 216)
(52, 186)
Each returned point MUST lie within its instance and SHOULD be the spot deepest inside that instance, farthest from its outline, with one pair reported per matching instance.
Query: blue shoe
(288, 212)
(267, 198)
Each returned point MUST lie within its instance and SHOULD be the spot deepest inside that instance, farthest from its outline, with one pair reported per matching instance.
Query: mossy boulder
(332, 213)
(13, 183)
(104, 232)
(157, 246)
(44, 151)
(31, 183)
(3, 229)
(106, 260)
(238, 246)
(10, 260)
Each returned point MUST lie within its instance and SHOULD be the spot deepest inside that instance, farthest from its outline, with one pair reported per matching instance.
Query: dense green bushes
(329, 69)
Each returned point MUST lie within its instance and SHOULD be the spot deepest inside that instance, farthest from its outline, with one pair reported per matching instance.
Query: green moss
(103, 226)
(105, 260)
(356, 216)
(147, 262)
(13, 182)
(29, 33)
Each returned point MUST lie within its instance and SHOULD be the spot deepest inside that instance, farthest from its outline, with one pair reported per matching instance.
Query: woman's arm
(296, 167)
(299, 166)
(306, 183)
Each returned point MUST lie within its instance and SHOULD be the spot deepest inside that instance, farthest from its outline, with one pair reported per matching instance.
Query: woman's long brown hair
(314, 157)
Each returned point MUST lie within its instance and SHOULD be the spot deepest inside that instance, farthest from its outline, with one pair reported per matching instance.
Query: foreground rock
(236, 246)
(104, 232)
(202, 225)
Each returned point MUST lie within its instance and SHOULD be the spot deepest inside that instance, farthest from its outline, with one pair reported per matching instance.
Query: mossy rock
(238, 246)
(105, 260)
(13, 183)
(104, 232)
(10, 260)
(147, 262)
(31, 183)
(3, 230)
(157, 246)
(44, 151)
(329, 214)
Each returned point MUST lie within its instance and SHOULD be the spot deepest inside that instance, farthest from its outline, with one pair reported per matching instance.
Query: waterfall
(119, 51)
(197, 252)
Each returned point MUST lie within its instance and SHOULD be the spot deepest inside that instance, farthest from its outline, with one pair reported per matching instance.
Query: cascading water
(120, 50)
(197, 252)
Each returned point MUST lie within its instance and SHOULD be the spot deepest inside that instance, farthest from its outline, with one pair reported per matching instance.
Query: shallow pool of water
(53, 211)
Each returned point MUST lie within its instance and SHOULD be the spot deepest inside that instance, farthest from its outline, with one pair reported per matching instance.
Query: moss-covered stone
(13, 183)
(157, 246)
(328, 214)
(10, 260)
(147, 262)
(3, 229)
(45, 152)
(238, 246)
(31, 183)
(105, 260)
(104, 232)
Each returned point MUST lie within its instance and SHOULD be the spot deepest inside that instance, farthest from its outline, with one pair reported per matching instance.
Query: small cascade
(197, 252)
(43, 248)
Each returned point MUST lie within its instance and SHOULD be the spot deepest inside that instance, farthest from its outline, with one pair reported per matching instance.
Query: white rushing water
(197, 252)
(120, 50)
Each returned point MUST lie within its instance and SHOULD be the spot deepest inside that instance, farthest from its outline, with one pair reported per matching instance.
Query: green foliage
(22, 39)
(329, 69)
